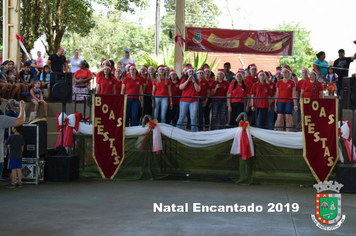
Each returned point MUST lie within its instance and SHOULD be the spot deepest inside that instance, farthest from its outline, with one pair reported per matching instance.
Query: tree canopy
(303, 52)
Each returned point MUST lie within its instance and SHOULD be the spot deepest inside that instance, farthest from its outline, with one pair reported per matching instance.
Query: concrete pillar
(11, 27)
(180, 29)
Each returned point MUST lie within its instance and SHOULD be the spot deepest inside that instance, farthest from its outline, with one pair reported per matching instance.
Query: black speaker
(62, 168)
(346, 174)
(35, 136)
(61, 87)
(349, 93)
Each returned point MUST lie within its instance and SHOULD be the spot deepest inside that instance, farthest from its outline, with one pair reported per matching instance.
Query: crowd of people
(200, 98)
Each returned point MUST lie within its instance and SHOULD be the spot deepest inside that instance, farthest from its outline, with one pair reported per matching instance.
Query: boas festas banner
(109, 133)
(239, 41)
(320, 135)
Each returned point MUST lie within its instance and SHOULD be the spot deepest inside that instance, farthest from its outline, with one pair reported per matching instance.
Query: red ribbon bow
(20, 38)
(244, 124)
(178, 39)
(152, 124)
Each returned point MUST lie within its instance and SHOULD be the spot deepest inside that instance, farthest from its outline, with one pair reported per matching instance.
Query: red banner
(239, 41)
(109, 133)
(320, 135)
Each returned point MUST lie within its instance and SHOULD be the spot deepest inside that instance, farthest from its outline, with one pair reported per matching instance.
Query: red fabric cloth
(161, 87)
(204, 87)
(189, 91)
(222, 91)
(107, 85)
(99, 75)
(238, 92)
(132, 86)
(261, 91)
(300, 84)
(245, 146)
(285, 90)
(249, 83)
(253, 79)
(308, 88)
(176, 92)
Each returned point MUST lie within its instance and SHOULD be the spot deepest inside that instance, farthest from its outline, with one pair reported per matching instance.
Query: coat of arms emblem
(197, 36)
(328, 206)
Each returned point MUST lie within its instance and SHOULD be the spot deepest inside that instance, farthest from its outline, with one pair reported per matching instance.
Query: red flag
(20, 38)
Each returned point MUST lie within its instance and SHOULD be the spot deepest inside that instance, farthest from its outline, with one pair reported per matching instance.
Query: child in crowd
(4, 86)
(17, 143)
(26, 77)
(331, 81)
(39, 60)
(37, 96)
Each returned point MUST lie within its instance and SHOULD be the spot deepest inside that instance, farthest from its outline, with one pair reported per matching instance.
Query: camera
(16, 104)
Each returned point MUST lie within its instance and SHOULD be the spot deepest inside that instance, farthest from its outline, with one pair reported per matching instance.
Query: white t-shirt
(125, 61)
(74, 64)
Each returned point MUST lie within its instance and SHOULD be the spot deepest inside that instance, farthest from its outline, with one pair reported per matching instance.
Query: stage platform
(125, 208)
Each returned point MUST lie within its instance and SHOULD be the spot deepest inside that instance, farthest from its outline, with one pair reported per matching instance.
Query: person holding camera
(190, 88)
(11, 108)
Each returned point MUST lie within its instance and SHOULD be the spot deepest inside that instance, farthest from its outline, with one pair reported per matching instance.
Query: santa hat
(161, 67)
(127, 66)
(220, 71)
(207, 68)
(260, 73)
(151, 67)
(132, 66)
(165, 67)
(239, 72)
(119, 68)
(172, 72)
(314, 71)
(287, 68)
(304, 68)
(253, 66)
(107, 67)
(144, 66)
(104, 62)
(189, 68)
(269, 72)
(278, 71)
(200, 71)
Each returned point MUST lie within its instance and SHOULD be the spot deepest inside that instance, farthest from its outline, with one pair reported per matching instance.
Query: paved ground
(126, 208)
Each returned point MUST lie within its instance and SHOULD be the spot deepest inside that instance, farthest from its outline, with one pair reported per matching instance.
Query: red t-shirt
(253, 79)
(222, 91)
(189, 91)
(132, 86)
(161, 87)
(309, 91)
(285, 90)
(210, 82)
(239, 91)
(176, 92)
(261, 91)
(99, 75)
(107, 85)
(148, 86)
(248, 82)
(79, 74)
(272, 87)
(300, 84)
(118, 85)
(204, 87)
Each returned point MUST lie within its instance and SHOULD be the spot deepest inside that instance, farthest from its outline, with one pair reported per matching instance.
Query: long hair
(159, 77)
(243, 85)
(44, 74)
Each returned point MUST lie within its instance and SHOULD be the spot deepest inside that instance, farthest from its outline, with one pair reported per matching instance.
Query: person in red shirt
(106, 82)
(261, 107)
(278, 76)
(305, 74)
(312, 88)
(240, 92)
(271, 115)
(189, 101)
(253, 74)
(161, 91)
(208, 78)
(132, 86)
(147, 90)
(203, 101)
(81, 81)
(219, 90)
(172, 115)
(284, 106)
(119, 79)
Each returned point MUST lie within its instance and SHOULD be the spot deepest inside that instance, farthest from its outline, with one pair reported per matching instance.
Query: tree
(198, 13)
(303, 52)
(110, 37)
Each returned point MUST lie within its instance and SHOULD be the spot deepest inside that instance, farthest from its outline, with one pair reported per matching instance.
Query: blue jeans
(132, 106)
(201, 115)
(161, 103)
(218, 109)
(193, 110)
(271, 118)
(261, 117)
